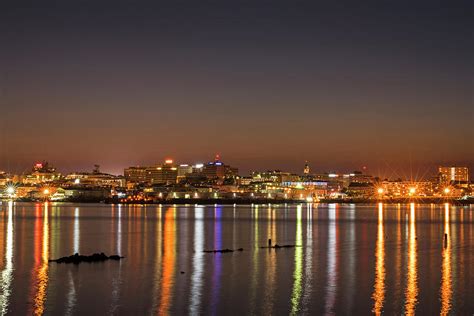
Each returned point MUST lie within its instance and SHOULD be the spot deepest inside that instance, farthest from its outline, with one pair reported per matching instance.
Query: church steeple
(306, 168)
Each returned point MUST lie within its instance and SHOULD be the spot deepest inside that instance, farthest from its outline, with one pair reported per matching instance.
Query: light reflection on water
(446, 290)
(298, 272)
(40, 282)
(167, 282)
(198, 262)
(341, 265)
(6, 275)
(379, 286)
(411, 292)
(331, 287)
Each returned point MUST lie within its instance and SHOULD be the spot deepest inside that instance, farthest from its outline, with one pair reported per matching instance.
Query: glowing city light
(46, 191)
(446, 190)
(412, 190)
(77, 181)
(10, 190)
(168, 161)
(380, 190)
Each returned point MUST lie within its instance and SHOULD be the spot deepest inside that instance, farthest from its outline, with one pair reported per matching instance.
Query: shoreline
(423, 200)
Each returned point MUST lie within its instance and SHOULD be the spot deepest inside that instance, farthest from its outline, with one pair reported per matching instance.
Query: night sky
(267, 84)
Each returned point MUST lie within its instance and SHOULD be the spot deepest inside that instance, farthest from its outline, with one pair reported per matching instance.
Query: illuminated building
(135, 174)
(217, 170)
(183, 170)
(96, 178)
(41, 173)
(404, 189)
(274, 176)
(360, 189)
(166, 173)
(4, 178)
(454, 174)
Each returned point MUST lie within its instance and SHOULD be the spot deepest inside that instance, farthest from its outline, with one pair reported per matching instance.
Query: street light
(10, 190)
(380, 190)
(447, 190)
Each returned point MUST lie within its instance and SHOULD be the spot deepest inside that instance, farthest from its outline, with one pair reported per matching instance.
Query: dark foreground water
(353, 259)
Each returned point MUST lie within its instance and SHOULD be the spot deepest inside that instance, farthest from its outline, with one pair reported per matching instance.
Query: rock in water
(77, 258)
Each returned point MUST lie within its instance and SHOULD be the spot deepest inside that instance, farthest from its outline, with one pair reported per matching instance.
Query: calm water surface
(353, 259)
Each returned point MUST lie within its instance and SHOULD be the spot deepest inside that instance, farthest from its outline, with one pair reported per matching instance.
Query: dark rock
(77, 258)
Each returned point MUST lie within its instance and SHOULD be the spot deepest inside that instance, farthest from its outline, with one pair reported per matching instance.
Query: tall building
(166, 173)
(183, 170)
(135, 174)
(217, 170)
(454, 174)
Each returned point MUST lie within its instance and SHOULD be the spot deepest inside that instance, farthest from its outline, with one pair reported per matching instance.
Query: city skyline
(415, 174)
(267, 85)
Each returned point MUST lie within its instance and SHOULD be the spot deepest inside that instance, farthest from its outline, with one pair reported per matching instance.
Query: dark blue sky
(267, 84)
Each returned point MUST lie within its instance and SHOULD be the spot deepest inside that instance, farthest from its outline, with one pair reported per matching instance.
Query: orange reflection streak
(379, 286)
(446, 290)
(168, 262)
(411, 292)
(40, 273)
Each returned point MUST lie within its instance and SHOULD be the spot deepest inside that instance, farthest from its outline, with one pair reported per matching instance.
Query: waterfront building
(455, 175)
(404, 189)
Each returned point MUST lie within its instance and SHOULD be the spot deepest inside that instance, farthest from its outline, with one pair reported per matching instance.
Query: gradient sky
(267, 84)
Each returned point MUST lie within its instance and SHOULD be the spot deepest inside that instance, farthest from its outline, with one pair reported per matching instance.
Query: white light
(333, 175)
(309, 199)
(77, 181)
(11, 190)
(199, 165)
